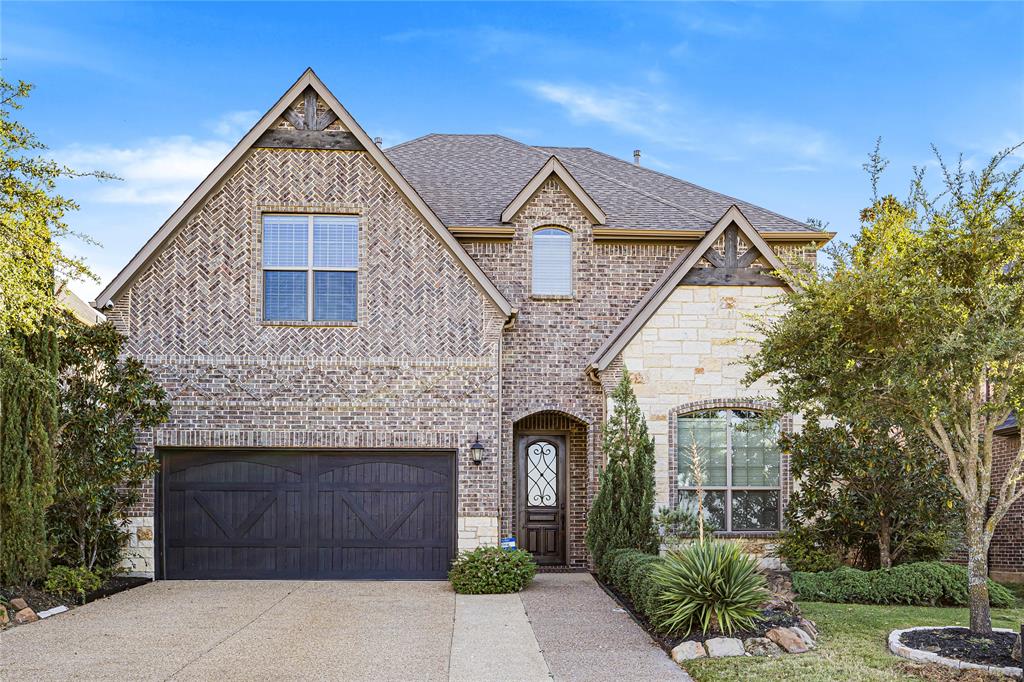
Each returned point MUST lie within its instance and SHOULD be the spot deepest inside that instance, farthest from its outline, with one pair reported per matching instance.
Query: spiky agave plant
(708, 584)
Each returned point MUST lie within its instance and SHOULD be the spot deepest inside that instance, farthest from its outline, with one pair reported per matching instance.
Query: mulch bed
(961, 645)
(771, 618)
(41, 600)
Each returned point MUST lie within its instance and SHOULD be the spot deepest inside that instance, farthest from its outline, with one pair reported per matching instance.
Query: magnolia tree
(921, 319)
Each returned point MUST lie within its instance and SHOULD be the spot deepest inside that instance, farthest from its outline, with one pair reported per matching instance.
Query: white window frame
(309, 269)
(533, 262)
(728, 488)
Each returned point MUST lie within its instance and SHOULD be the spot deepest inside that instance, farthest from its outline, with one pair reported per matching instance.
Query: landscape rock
(18, 604)
(1015, 654)
(802, 634)
(721, 647)
(809, 627)
(687, 651)
(789, 640)
(26, 615)
(761, 646)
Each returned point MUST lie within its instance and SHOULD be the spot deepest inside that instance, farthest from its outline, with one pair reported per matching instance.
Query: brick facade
(419, 369)
(1006, 554)
(431, 362)
(546, 351)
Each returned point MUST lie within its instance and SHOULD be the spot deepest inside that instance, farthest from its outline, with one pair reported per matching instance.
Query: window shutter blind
(552, 262)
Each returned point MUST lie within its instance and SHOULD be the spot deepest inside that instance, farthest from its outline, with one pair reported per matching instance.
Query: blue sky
(775, 103)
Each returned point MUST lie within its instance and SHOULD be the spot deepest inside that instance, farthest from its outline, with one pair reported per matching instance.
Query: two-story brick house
(378, 357)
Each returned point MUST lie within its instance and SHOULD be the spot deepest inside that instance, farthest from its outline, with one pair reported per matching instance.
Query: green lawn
(851, 646)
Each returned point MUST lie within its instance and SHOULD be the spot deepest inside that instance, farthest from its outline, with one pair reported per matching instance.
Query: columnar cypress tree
(622, 515)
(28, 422)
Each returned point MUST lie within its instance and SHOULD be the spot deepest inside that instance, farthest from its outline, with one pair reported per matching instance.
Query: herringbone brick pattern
(418, 369)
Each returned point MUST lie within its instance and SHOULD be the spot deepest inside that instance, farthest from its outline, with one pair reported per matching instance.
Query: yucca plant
(708, 584)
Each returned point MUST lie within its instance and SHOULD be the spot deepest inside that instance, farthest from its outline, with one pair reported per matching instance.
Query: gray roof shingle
(470, 179)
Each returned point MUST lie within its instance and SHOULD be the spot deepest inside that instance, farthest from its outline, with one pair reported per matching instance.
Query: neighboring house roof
(307, 80)
(673, 277)
(79, 308)
(470, 179)
(555, 167)
(1009, 427)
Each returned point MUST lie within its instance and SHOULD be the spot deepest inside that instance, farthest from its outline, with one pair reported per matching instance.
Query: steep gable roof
(470, 179)
(555, 167)
(307, 80)
(673, 277)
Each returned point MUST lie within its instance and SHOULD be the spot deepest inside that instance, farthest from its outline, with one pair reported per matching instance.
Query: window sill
(307, 323)
(552, 297)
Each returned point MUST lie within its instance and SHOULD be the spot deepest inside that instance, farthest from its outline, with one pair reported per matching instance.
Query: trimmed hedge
(631, 574)
(925, 583)
(492, 570)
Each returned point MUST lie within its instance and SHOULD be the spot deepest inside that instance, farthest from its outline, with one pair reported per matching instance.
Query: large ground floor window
(739, 460)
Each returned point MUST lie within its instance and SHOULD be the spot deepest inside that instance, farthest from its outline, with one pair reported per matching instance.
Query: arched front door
(542, 497)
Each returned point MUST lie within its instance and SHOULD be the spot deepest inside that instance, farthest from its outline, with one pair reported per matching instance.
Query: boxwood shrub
(925, 583)
(492, 570)
(630, 573)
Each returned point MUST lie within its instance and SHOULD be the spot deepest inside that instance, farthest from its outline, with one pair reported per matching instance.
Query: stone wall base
(139, 558)
(477, 531)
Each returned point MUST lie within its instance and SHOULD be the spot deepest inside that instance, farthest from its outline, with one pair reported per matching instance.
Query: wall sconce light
(476, 450)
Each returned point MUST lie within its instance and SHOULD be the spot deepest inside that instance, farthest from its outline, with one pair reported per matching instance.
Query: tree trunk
(977, 570)
(884, 543)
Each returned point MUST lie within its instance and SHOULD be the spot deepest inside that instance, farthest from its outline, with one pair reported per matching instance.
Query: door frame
(160, 479)
(563, 483)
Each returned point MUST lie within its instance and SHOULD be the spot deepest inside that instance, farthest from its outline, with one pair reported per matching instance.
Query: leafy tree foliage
(921, 319)
(28, 419)
(104, 399)
(31, 222)
(622, 516)
(871, 489)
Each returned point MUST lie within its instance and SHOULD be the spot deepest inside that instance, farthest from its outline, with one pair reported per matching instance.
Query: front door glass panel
(542, 474)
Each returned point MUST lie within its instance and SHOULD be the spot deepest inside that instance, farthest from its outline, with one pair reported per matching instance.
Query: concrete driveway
(338, 630)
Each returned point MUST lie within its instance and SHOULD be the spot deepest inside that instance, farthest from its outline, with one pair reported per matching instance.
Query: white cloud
(155, 171)
(668, 122)
(234, 124)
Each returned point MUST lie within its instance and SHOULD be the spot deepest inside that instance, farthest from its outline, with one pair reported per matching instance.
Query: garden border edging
(897, 647)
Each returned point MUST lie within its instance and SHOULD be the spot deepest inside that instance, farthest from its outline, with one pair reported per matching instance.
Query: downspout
(507, 325)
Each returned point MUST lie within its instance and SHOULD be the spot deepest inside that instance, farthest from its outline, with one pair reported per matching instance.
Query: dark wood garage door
(280, 514)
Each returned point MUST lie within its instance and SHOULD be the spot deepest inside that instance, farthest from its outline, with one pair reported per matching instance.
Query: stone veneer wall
(1006, 554)
(546, 351)
(418, 370)
(688, 357)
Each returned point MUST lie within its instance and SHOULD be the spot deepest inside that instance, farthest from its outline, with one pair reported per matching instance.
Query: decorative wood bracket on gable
(310, 129)
(727, 268)
(730, 268)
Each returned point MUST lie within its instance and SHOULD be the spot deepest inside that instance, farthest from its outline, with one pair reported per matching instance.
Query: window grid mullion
(309, 274)
(728, 470)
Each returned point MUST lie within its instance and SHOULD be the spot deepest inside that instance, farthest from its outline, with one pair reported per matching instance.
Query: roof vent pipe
(636, 156)
(378, 141)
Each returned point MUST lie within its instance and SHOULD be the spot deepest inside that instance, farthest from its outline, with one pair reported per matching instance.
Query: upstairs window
(310, 268)
(739, 460)
(552, 262)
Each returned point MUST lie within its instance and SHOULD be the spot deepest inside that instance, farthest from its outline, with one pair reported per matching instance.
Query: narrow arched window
(552, 262)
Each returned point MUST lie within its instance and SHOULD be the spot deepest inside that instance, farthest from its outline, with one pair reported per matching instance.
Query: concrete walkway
(585, 635)
(562, 627)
